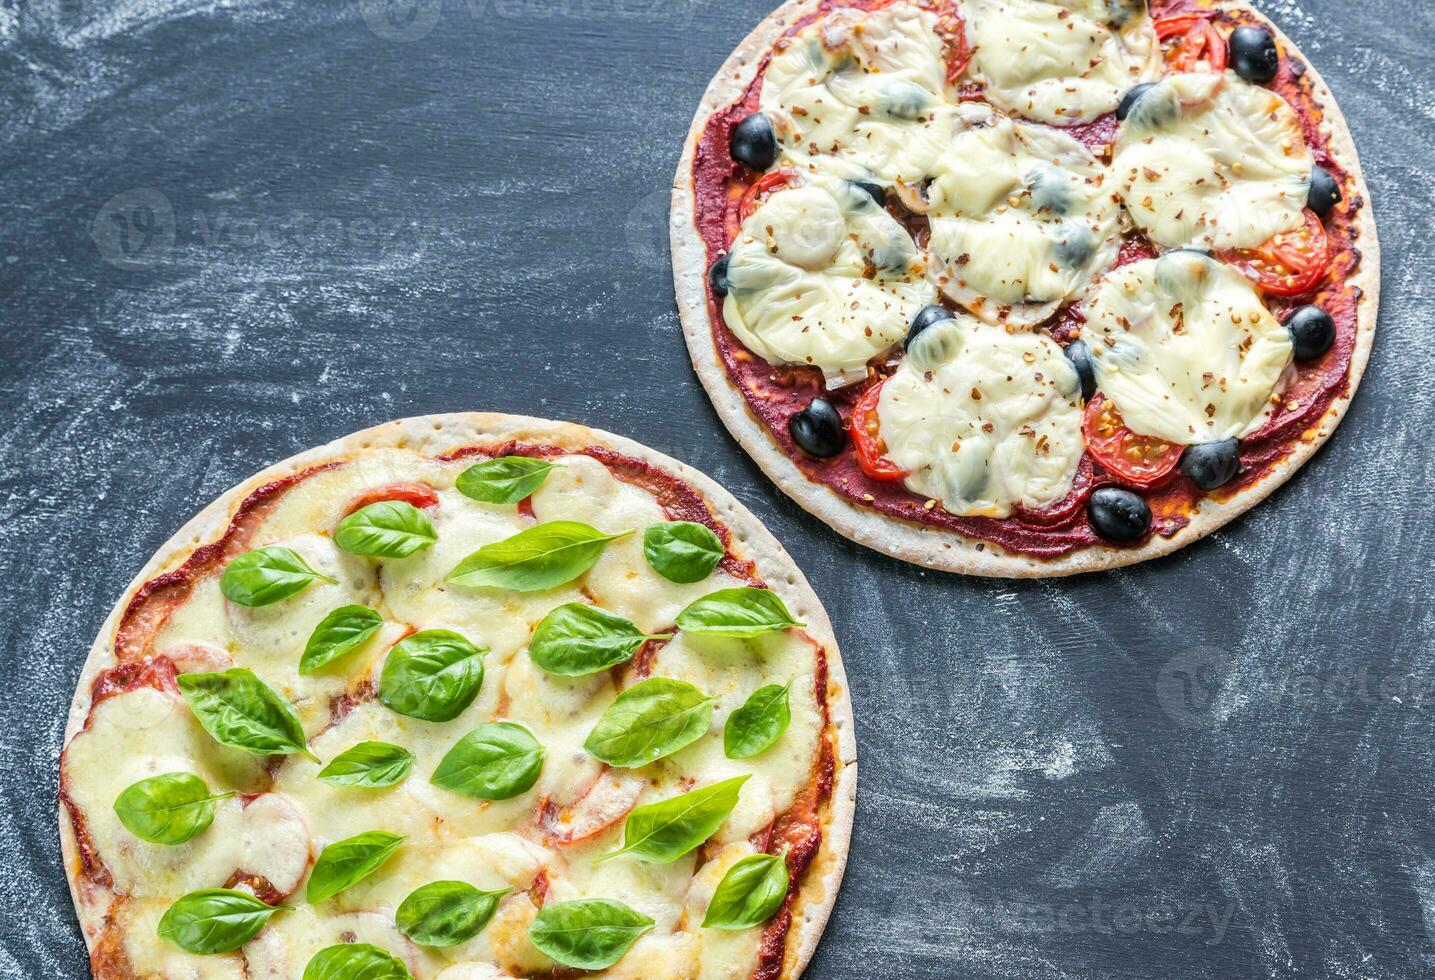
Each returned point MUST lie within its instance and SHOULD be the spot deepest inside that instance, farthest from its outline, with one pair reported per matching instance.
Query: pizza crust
(438, 434)
(920, 543)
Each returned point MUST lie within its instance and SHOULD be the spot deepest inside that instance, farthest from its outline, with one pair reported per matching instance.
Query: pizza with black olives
(1024, 287)
(463, 697)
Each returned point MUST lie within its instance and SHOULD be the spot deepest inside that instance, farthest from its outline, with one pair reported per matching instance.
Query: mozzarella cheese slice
(985, 419)
(1021, 219)
(1212, 160)
(821, 275)
(1060, 61)
(1185, 348)
(861, 94)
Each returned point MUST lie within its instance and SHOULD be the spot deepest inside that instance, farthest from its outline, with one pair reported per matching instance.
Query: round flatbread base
(921, 543)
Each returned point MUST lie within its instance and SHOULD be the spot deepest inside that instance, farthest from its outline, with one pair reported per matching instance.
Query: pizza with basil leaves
(1024, 287)
(461, 697)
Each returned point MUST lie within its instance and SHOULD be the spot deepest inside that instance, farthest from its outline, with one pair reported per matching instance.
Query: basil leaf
(577, 639)
(349, 861)
(496, 761)
(355, 961)
(682, 551)
(386, 529)
(763, 717)
(588, 934)
(432, 675)
(664, 831)
(214, 920)
(749, 894)
(266, 575)
(541, 557)
(649, 720)
(505, 480)
(740, 613)
(369, 765)
(345, 629)
(446, 913)
(241, 711)
(168, 809)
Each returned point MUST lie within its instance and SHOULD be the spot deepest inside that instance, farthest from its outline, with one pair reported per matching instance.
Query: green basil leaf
(349, 861)
(682, 551)
(356, 961)
(369, 765)
(432, 675)
(343, 630)
(749, 894)
(505, 480)
(588, 934)
(241, 711)
(763, 717)
(740, 613)
(652, 719)
(168, 809)
(664, 831)
(446, 913)
(386, 529)
(496, 761)
(266, 575)
(214, 920)
(541, 557)
(577, 639)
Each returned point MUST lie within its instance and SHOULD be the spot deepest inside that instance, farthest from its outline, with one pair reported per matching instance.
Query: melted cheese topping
(985, 419)
(573, 814)
(1211, 159)
(821, 275)
(1021, 220)
(862, 95)
(1060, 61)
(1185, 348)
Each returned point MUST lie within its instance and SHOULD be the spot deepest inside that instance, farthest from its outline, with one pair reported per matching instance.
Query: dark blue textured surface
(1214, 766)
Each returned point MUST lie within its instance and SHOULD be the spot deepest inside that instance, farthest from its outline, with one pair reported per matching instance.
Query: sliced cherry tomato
(1291, 263)
(765, 184)
(1138, 461)
(867, 439)
(418, 494)
(1069, 507)
(1197, 41)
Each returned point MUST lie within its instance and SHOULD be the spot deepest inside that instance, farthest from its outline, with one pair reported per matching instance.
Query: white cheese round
(1060, 61)
(1022, 219)
(984, 418)
(1211, 159)
(1184, 347)
(821, 275)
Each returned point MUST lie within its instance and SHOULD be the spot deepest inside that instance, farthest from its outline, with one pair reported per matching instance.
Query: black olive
(1324, 192)
(1118, 514)
(1312, 332)
(1253, 54)
(925, 317)
(1212, 464)
(875, 191)
(717, 276)
(817, 429)
(753, 142)
(1080, 357)
(1123, 108)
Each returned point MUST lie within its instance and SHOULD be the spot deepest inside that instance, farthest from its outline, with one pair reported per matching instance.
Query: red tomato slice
(418, 494)
(1069, 507)
(1198, 41)
(1291, 263)
(1137, 460)
(765, 184)
(867, 439)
